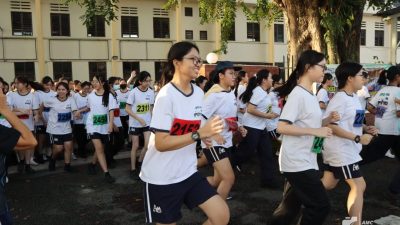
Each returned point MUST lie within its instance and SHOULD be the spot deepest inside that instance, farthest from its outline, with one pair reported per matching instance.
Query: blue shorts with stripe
(344, 172)
(216, 153)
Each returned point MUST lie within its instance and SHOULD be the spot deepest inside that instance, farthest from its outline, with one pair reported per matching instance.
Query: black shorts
(163, 203)
(216, 153)
(59, 139)
(104, 138)
(138, 130)
(344, 172)
(40, 129)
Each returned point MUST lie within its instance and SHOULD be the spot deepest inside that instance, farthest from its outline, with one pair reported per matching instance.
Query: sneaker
(92, 169)
(389, 154)
(74, 156)
(29, 170)
(52, 164)
(44, 157)
(68, 168)
(33, 162)
(21, 167)
(108, 178)
(134, 174)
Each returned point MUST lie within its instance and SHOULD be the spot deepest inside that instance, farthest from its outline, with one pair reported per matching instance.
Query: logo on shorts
(356, 167)
(221, 150)
(157, 209)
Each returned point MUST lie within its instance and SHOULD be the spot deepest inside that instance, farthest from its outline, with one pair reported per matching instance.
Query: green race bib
(2, 117)
(122, 105)
(100, 119)
(317, 145)
(142, 108)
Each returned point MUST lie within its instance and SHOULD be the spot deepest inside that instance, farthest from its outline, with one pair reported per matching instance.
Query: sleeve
(131, 98)
(162, 114)
(74, 107)
(323, 96)
(48, 102)
(152, 98)
(336, 104)
(210, 105)
(36, 101)
(112, 103)
(292, 108)
(256, 98)
(8, 139)
(367, 95)
(398, 97)
(9, 102)
(374, 100)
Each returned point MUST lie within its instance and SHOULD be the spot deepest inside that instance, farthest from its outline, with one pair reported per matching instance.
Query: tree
(329, 26)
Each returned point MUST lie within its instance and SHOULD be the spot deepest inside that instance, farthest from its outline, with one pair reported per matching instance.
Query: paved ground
(59, 198)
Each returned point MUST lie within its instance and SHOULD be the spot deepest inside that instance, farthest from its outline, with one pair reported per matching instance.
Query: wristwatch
(195, 136)
(357, 139)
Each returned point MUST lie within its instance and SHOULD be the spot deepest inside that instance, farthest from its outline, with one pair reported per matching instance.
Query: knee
(330, 186)
(223, 216)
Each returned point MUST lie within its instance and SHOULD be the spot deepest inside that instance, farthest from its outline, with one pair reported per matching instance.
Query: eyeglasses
(322, 66)
(196, 61)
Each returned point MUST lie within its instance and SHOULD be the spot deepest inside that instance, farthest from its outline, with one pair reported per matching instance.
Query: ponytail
(289, 85)
(382, 80)
(106, 95)
(253, 83)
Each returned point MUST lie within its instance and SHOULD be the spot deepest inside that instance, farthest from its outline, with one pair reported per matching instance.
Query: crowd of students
(229, 116)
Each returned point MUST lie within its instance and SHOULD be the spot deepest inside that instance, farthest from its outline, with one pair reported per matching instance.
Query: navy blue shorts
(138, 130)
(216, 153)
(40, 129)
(59, 139)
(104, 138)
(163, 203)
(344, 172)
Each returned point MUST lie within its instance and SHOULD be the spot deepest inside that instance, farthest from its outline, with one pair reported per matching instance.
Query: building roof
(389, 12)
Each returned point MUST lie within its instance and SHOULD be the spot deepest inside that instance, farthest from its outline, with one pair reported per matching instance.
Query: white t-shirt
(240, 104)
(98, 116)
(341, 151)
(272, 124)
(122, 98)
(385, 118)
(81, 102)
(117, 113)
(60, 115)
(262, 101)
(140, 103)
(177, 114)
(302, 110)
(3, 120)
(222, 104)
(23, 102)
(363, 96)
(40, 98)
(323, 97)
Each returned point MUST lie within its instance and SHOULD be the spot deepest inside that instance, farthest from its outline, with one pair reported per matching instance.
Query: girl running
(301, 127)
(62, 106)
(122, 98)
(241, 84)
(116, 137)
(322, 92)
(341, 151)
(139, 107)
(79, 129)
(99, 124)
(272, 124)
(169, 167)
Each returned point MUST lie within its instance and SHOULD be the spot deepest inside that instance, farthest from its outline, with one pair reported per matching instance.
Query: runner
(169, 167)
(62, 106)
(116, 137)
(322, 91)
(99, 124)
(122, 98)
(79, 129)
(241, 84)
(139, 108)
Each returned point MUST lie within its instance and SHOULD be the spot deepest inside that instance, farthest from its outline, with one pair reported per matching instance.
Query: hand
(365, 139)
(36, 118)
(207, 142)
(272, 115)
(78, 115)
(334, 117)
(115, 128)
(27, 111)
(133, 74)
(213, 126)
(397, 100)
(110, 128)
(371, 130)
(219, 139)
(142, 122)
(243, 131)
(323, 132)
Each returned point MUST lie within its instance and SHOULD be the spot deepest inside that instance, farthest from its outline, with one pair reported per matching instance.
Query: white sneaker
(389, 154)
(33, 162)
(74, 157)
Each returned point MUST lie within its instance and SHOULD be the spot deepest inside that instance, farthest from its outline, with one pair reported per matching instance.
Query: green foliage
(105, 8)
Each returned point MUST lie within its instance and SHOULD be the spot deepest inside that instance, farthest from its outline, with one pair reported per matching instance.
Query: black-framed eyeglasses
(322, 66)
(196, 61)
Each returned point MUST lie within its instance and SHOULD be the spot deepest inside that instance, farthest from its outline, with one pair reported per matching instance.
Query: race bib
(380, 110)
(100, 119)
(64, 117)
(181, 127)
(359, 119)
(142, 108)
(317, 145)
(116, 112)
(232, 123)
(122, 105)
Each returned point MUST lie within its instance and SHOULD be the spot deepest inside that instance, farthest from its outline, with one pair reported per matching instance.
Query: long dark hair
(47, 79)
(307, 58)
(346, 70)
(143, 75)
(327, 77)
(210, 82)
(106, 88)
(36, 86)
(65, 85)
(239, 78)
(176, 52)
(111, 81)
(253, 83)
(389, 74)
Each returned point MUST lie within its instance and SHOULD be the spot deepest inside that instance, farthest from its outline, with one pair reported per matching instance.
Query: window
(363, 36)
(21, 23)
(278, 32)
(25, 69)
(253, 31)
(188, 11)
(60, 24)
(128, 67)
(62, 69)
(188, 34)
(158, 68)
(161, 27)
(129, 26)
(203, 35)
(379, 37)
(232, 33)
(97, 29)
(97, 68)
